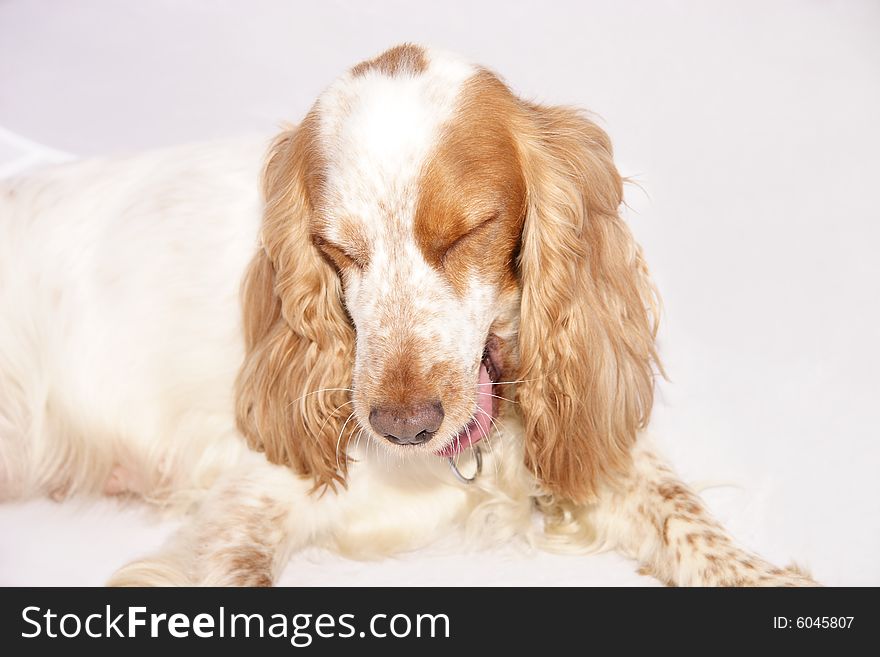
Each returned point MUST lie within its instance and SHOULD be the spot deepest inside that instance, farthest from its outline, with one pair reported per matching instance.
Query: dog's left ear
(588, 309)
(299, 341)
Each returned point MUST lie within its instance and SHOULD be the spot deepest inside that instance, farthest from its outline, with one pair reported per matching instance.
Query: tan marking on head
(404, 379)
(401, 379)
(403, 59)
(472, 193)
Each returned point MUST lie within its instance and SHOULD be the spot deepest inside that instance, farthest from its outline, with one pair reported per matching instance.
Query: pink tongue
(478, 428)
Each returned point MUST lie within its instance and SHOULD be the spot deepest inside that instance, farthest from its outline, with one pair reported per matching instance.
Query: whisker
(498, 424)
(332, 413)
(498, 429)
(350, 436)
(378, 452)
(467, 428)
(498, 383)
(339, 439)
(383, 454)
(315, 392)
(488, 442)
(489, 394)
(357, 442)
(495, 459)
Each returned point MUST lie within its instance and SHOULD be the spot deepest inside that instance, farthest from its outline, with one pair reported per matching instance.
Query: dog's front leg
(242, 533)
(651, 516)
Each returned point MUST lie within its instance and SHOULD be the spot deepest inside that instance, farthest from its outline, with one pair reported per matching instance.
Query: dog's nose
(407, 425)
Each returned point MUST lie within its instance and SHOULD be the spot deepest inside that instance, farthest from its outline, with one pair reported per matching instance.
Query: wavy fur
(588, 312)
(297, 372)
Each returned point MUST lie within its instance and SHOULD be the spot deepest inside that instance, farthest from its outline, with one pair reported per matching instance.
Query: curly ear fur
(298, 338)
(588, 310)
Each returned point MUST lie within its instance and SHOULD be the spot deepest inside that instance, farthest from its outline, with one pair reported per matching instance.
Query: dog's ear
(293, 385)
(588, 310)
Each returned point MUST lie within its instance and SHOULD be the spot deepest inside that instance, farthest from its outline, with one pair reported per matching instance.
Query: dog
(429, 317)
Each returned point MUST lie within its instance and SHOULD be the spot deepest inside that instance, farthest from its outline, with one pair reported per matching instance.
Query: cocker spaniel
(433, 318)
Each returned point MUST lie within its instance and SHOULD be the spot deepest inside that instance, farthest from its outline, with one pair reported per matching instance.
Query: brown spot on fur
(691, 507)
(406, 59)
(658, 527)
(671, 491)
(712, 574)
(249, 567)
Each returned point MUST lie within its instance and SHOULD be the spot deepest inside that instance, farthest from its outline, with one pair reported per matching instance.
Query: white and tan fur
(365, 276)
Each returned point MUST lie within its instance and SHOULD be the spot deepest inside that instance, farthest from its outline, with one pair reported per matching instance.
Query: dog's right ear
(299, 341)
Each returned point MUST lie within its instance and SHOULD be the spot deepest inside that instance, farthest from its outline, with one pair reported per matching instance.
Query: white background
(752, 130)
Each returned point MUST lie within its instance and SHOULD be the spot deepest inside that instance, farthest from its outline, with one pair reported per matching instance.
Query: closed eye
(461, 240)
(342, 257)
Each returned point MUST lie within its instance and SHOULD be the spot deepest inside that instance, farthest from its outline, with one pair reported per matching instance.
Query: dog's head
(432, 245)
